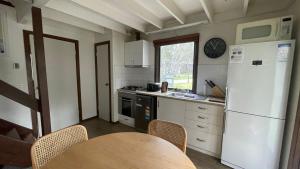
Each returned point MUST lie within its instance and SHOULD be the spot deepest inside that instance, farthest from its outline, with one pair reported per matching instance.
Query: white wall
(19, 114)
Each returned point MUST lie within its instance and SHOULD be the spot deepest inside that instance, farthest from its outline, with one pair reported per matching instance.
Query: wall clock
(214, 48)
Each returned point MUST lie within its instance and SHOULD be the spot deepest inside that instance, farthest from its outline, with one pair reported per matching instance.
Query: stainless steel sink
(187, 95)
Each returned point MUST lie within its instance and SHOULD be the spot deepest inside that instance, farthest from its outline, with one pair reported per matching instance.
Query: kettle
(164, 87)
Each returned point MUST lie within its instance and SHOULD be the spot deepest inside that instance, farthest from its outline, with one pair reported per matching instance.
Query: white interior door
(62, 82)
(103, 81)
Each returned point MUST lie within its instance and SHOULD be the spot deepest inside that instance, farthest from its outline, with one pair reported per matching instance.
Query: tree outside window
(176, 65)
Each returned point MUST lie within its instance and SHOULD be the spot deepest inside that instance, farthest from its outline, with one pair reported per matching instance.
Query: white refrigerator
(257, 93)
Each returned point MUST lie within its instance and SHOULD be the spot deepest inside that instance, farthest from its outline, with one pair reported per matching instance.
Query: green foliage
(177, 65)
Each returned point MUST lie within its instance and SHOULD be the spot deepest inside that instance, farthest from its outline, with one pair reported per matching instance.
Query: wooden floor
(98, 127)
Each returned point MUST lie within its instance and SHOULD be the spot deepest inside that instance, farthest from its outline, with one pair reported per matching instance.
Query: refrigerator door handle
(225, 111)
(226, 98)
(224, 122)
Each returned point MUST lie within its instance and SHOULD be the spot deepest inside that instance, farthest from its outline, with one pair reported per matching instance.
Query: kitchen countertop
(166, 95)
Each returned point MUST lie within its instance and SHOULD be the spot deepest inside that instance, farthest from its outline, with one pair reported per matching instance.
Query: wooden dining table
(127, 150)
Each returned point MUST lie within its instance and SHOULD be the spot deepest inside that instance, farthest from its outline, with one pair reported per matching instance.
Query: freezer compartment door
(252, 142)
(259, 77)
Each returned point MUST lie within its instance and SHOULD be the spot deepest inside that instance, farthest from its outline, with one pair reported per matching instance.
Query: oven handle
(139, 105)
(129, 100)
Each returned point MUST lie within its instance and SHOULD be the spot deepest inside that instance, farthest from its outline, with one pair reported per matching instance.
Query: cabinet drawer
(205, 108)
(203, 127)
(205, 118)
(209, 142)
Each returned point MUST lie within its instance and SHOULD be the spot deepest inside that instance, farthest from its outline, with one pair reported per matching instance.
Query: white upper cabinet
(137, 54)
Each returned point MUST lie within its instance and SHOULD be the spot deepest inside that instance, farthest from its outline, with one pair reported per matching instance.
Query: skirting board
(204, 151)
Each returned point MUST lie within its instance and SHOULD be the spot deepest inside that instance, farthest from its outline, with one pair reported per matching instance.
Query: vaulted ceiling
(148, 16)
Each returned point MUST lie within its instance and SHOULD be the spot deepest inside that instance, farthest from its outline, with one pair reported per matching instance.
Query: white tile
(216, 73)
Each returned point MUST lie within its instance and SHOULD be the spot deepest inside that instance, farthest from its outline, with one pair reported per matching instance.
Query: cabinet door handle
(200, 140)
(202, 108)
(200, 126)
(200, 117)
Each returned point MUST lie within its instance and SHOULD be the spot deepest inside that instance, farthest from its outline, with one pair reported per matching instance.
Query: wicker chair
(171, 132)
(53, 144)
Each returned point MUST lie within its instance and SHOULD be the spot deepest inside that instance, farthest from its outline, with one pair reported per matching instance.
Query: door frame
(294, 156)
(109, 72)
(26, 36)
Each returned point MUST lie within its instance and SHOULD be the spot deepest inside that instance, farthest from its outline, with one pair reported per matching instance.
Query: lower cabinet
(203, 122)
(170, 110)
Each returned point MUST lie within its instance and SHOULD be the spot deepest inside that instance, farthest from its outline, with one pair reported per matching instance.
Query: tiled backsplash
(133, 76)
(141, 76)
(216, 73)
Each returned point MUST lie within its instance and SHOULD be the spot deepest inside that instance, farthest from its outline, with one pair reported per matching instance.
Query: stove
(127, 104)
(132, 88)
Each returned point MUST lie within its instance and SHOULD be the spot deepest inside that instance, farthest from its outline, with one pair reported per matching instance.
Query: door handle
(201, 108)
(200, 140)
(106, 84)
(200, 117)
(200, 126)
(224, 121)
(226, 98)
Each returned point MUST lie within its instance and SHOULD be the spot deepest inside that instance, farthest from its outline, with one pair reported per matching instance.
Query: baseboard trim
(218, 156)
(90, 118)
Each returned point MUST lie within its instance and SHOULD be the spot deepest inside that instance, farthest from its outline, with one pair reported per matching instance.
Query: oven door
(126, 106)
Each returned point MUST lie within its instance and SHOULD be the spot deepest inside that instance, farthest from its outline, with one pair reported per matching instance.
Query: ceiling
(153, 15)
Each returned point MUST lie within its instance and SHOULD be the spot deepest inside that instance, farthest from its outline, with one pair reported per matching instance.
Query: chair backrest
(174, 133)
(53, 144)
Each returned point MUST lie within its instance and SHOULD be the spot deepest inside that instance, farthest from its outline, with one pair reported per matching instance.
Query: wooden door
(103, 81)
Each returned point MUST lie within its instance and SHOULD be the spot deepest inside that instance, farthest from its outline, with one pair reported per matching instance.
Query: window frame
(177, 40)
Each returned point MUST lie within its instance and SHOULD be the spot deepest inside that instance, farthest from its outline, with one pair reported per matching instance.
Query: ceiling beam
(77, 11)
(187, 25)
(40, 3)
(245, 7)
(207, 6)
(70, 20)
(141, 12)
(111, 12)
(23, 8)
(172, 8)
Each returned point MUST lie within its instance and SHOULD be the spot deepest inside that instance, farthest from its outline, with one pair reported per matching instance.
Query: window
(176, 61)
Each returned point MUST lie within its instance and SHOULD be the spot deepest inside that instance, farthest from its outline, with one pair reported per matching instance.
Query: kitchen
(204, 115)
(226, 71)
